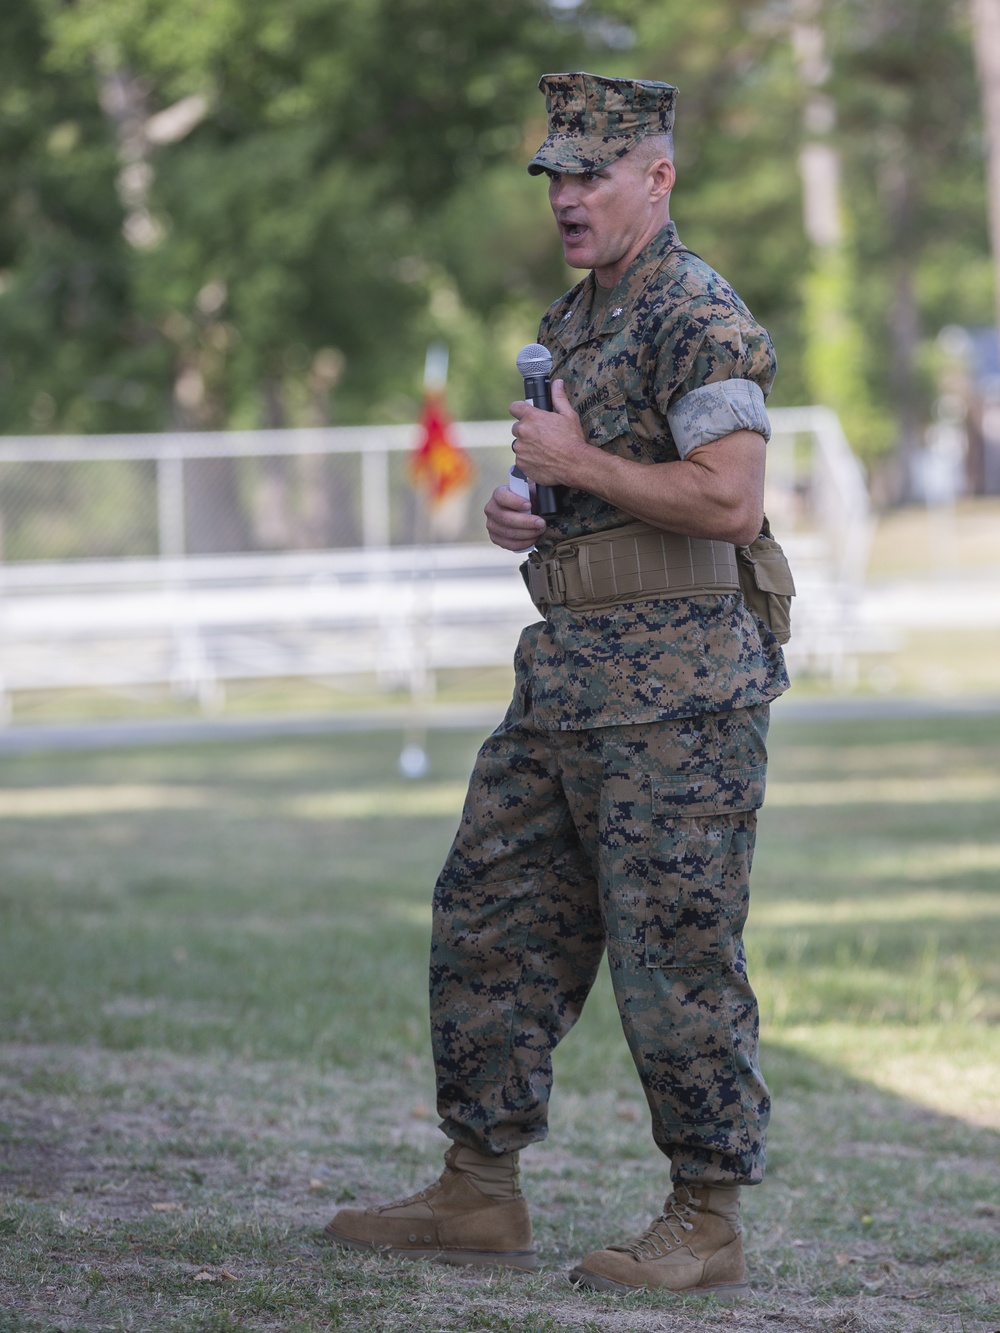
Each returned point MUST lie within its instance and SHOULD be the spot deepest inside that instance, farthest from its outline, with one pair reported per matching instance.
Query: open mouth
(573, 230)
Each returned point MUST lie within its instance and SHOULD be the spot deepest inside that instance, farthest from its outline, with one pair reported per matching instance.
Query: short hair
(651, 147)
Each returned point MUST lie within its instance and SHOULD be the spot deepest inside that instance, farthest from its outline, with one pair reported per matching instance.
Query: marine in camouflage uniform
(614, 807)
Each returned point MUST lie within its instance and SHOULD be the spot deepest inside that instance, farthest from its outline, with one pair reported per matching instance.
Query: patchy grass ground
(215, 1032)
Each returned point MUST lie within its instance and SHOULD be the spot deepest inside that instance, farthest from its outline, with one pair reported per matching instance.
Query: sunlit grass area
(253, 698)
(215, 1029)
(917, 541)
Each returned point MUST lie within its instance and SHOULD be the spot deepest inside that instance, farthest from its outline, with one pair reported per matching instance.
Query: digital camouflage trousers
(634, 839)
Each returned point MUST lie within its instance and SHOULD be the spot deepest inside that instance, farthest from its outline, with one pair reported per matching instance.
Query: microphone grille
(534, 360)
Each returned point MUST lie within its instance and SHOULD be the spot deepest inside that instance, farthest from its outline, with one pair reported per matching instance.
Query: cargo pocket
(699, 861)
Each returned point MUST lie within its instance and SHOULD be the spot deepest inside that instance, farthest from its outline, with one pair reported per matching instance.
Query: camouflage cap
(594, 120)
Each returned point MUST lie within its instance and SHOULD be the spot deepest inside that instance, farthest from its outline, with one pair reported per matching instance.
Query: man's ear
(661, 178)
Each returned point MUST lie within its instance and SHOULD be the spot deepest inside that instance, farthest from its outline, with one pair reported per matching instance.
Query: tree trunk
(986, 38)
(899, 189)
(819, 160)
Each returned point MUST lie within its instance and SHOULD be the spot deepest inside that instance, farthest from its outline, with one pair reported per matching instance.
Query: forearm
(717, 491)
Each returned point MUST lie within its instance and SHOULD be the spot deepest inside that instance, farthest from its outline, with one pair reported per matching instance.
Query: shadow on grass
(144, 1189)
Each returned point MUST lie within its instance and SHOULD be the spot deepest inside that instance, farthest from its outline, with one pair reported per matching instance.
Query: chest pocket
(607, 421)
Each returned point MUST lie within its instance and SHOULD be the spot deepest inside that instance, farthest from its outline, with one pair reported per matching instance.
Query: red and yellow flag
(438, 463)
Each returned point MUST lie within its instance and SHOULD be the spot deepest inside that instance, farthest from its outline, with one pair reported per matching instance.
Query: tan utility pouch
(629, 564)
(766, 583)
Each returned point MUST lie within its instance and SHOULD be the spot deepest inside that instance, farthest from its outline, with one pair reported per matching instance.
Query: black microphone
(535, 362)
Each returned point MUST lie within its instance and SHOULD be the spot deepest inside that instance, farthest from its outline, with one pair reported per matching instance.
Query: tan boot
(694, 1248)
(451, 1222)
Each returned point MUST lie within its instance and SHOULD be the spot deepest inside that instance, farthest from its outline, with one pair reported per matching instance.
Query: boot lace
(665, 1232)
(420, 1197)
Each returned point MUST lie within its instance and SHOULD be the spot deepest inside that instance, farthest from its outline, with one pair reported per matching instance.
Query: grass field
(215, 1031)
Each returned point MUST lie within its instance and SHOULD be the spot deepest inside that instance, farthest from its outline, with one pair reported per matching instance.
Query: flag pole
(413, 760)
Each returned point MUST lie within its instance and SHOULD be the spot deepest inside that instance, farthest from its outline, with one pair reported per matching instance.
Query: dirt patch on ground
(37, 1162)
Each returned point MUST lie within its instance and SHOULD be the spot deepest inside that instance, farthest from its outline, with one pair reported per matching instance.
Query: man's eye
(589, 176)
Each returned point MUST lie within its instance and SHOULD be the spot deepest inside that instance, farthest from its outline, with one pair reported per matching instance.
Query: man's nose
(562, 192)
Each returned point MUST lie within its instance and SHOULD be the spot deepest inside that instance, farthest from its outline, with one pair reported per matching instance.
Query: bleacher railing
(192, 558)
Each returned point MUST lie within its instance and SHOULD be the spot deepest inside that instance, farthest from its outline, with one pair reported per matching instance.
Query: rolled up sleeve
(715, 410)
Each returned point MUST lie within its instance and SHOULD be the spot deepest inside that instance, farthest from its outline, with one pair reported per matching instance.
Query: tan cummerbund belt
(628, 564)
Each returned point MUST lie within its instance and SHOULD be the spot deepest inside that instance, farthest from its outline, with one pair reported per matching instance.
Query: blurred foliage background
(230, 213)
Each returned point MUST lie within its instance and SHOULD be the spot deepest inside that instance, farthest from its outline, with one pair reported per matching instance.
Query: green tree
(226, 212)
(70, 356)
(905, 86)
(280, 233)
